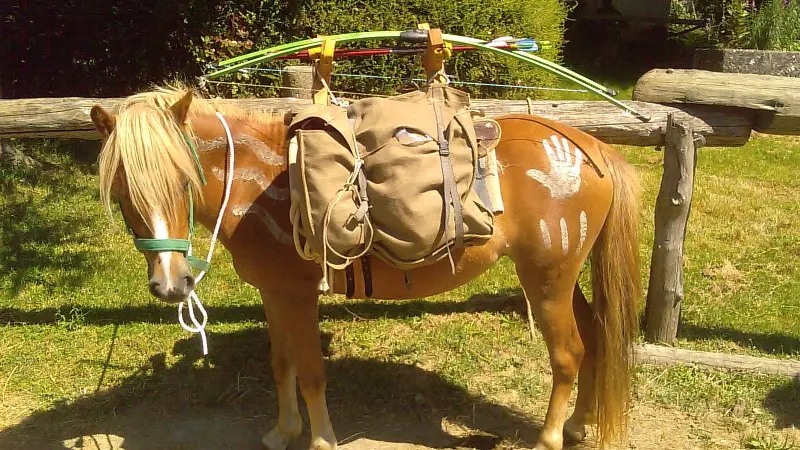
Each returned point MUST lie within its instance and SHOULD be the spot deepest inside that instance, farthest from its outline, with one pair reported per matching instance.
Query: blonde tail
(616, 289)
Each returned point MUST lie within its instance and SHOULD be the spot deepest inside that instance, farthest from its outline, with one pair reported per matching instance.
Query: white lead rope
(194, 301)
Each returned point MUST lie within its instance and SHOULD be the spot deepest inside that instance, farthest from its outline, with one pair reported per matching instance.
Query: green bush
(116, 47)
(776, 26)
(727, 21)
(759, 24)
(540, 19)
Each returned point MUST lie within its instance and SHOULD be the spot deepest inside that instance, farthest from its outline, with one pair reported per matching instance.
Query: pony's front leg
(298, 324)
(290, 423)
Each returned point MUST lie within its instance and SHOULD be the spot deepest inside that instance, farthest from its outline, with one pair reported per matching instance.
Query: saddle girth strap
(350, 279)
(366, 271)
(450, 191)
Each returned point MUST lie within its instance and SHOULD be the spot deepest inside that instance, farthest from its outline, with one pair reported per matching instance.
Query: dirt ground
(202, 428)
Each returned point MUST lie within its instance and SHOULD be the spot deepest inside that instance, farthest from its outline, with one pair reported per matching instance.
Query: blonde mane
(153, 153)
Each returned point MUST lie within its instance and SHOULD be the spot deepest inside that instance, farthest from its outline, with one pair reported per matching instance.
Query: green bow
(417, 36)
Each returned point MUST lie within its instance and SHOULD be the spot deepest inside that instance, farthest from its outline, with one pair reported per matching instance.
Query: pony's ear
(103, 121)
(181, 108)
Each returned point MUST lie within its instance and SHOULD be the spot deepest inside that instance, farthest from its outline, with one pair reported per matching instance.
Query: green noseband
(171, 244)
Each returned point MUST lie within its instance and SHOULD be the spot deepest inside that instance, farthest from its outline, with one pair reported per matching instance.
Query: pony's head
(148, 167)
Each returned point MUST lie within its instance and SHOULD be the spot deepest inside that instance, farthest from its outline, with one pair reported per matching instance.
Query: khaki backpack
(390, 176)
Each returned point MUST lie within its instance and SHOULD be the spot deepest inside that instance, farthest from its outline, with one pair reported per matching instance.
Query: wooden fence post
(298, 81)
(665, 292)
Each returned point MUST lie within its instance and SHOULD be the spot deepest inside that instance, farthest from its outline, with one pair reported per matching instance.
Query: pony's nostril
(154, 288)
(189, 280)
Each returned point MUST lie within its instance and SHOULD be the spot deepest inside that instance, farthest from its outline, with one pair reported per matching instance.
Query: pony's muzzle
(174, 292)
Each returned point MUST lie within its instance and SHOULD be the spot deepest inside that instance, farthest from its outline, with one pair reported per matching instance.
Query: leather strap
(363, 206)
(451, 197)
(366, 271)
(350, 277)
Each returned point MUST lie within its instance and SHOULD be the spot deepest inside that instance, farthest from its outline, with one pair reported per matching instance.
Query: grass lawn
(85, 350)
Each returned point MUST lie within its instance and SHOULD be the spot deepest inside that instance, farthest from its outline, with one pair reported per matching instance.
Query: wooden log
(774, 123)
(668, 356)
(68, 117)
(665, 293)
(720, 126)
(64, 118)
(775, 100)
(297, 81)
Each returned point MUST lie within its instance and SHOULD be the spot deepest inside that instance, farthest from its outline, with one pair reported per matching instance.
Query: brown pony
(566, 195)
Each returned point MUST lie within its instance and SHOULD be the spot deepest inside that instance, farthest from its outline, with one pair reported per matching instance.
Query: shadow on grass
(773, 343)
(505, 301)
(33, 237)
(157, 312)
(229, 402)
(512, 299)
(784, 404)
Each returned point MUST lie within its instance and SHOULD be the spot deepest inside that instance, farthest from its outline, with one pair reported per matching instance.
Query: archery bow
(419, 36)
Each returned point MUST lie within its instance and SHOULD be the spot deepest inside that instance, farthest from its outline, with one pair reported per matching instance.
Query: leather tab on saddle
(487, 132)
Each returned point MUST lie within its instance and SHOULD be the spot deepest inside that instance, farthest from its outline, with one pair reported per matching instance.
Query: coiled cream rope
(302, 244)
(193, 302)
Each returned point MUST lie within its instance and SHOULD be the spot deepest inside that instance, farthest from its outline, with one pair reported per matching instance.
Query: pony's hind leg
(296, 321)
(550, 297)
(585, 412)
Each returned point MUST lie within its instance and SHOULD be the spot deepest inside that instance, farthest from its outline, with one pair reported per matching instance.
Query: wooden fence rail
(67, 118)
(774, 101)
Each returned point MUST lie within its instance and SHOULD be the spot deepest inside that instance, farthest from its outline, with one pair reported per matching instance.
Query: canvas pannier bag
(377, 176)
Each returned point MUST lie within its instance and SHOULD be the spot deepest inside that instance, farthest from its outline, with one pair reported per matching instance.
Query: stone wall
(762, 62)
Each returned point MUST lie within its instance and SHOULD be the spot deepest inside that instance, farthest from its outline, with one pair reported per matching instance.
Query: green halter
(172, 244)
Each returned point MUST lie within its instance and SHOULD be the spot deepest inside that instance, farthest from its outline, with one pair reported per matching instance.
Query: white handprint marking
(564, 178)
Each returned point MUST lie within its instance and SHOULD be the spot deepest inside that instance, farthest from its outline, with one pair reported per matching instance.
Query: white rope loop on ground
(194, 301)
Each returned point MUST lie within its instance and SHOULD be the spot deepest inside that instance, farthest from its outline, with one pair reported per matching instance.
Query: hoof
(319, 443)
(278, 439)
(549, 442)
(541, 446)
(574, 431)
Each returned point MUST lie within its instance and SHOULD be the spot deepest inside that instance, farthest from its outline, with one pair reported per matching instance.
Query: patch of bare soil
(145, 427)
